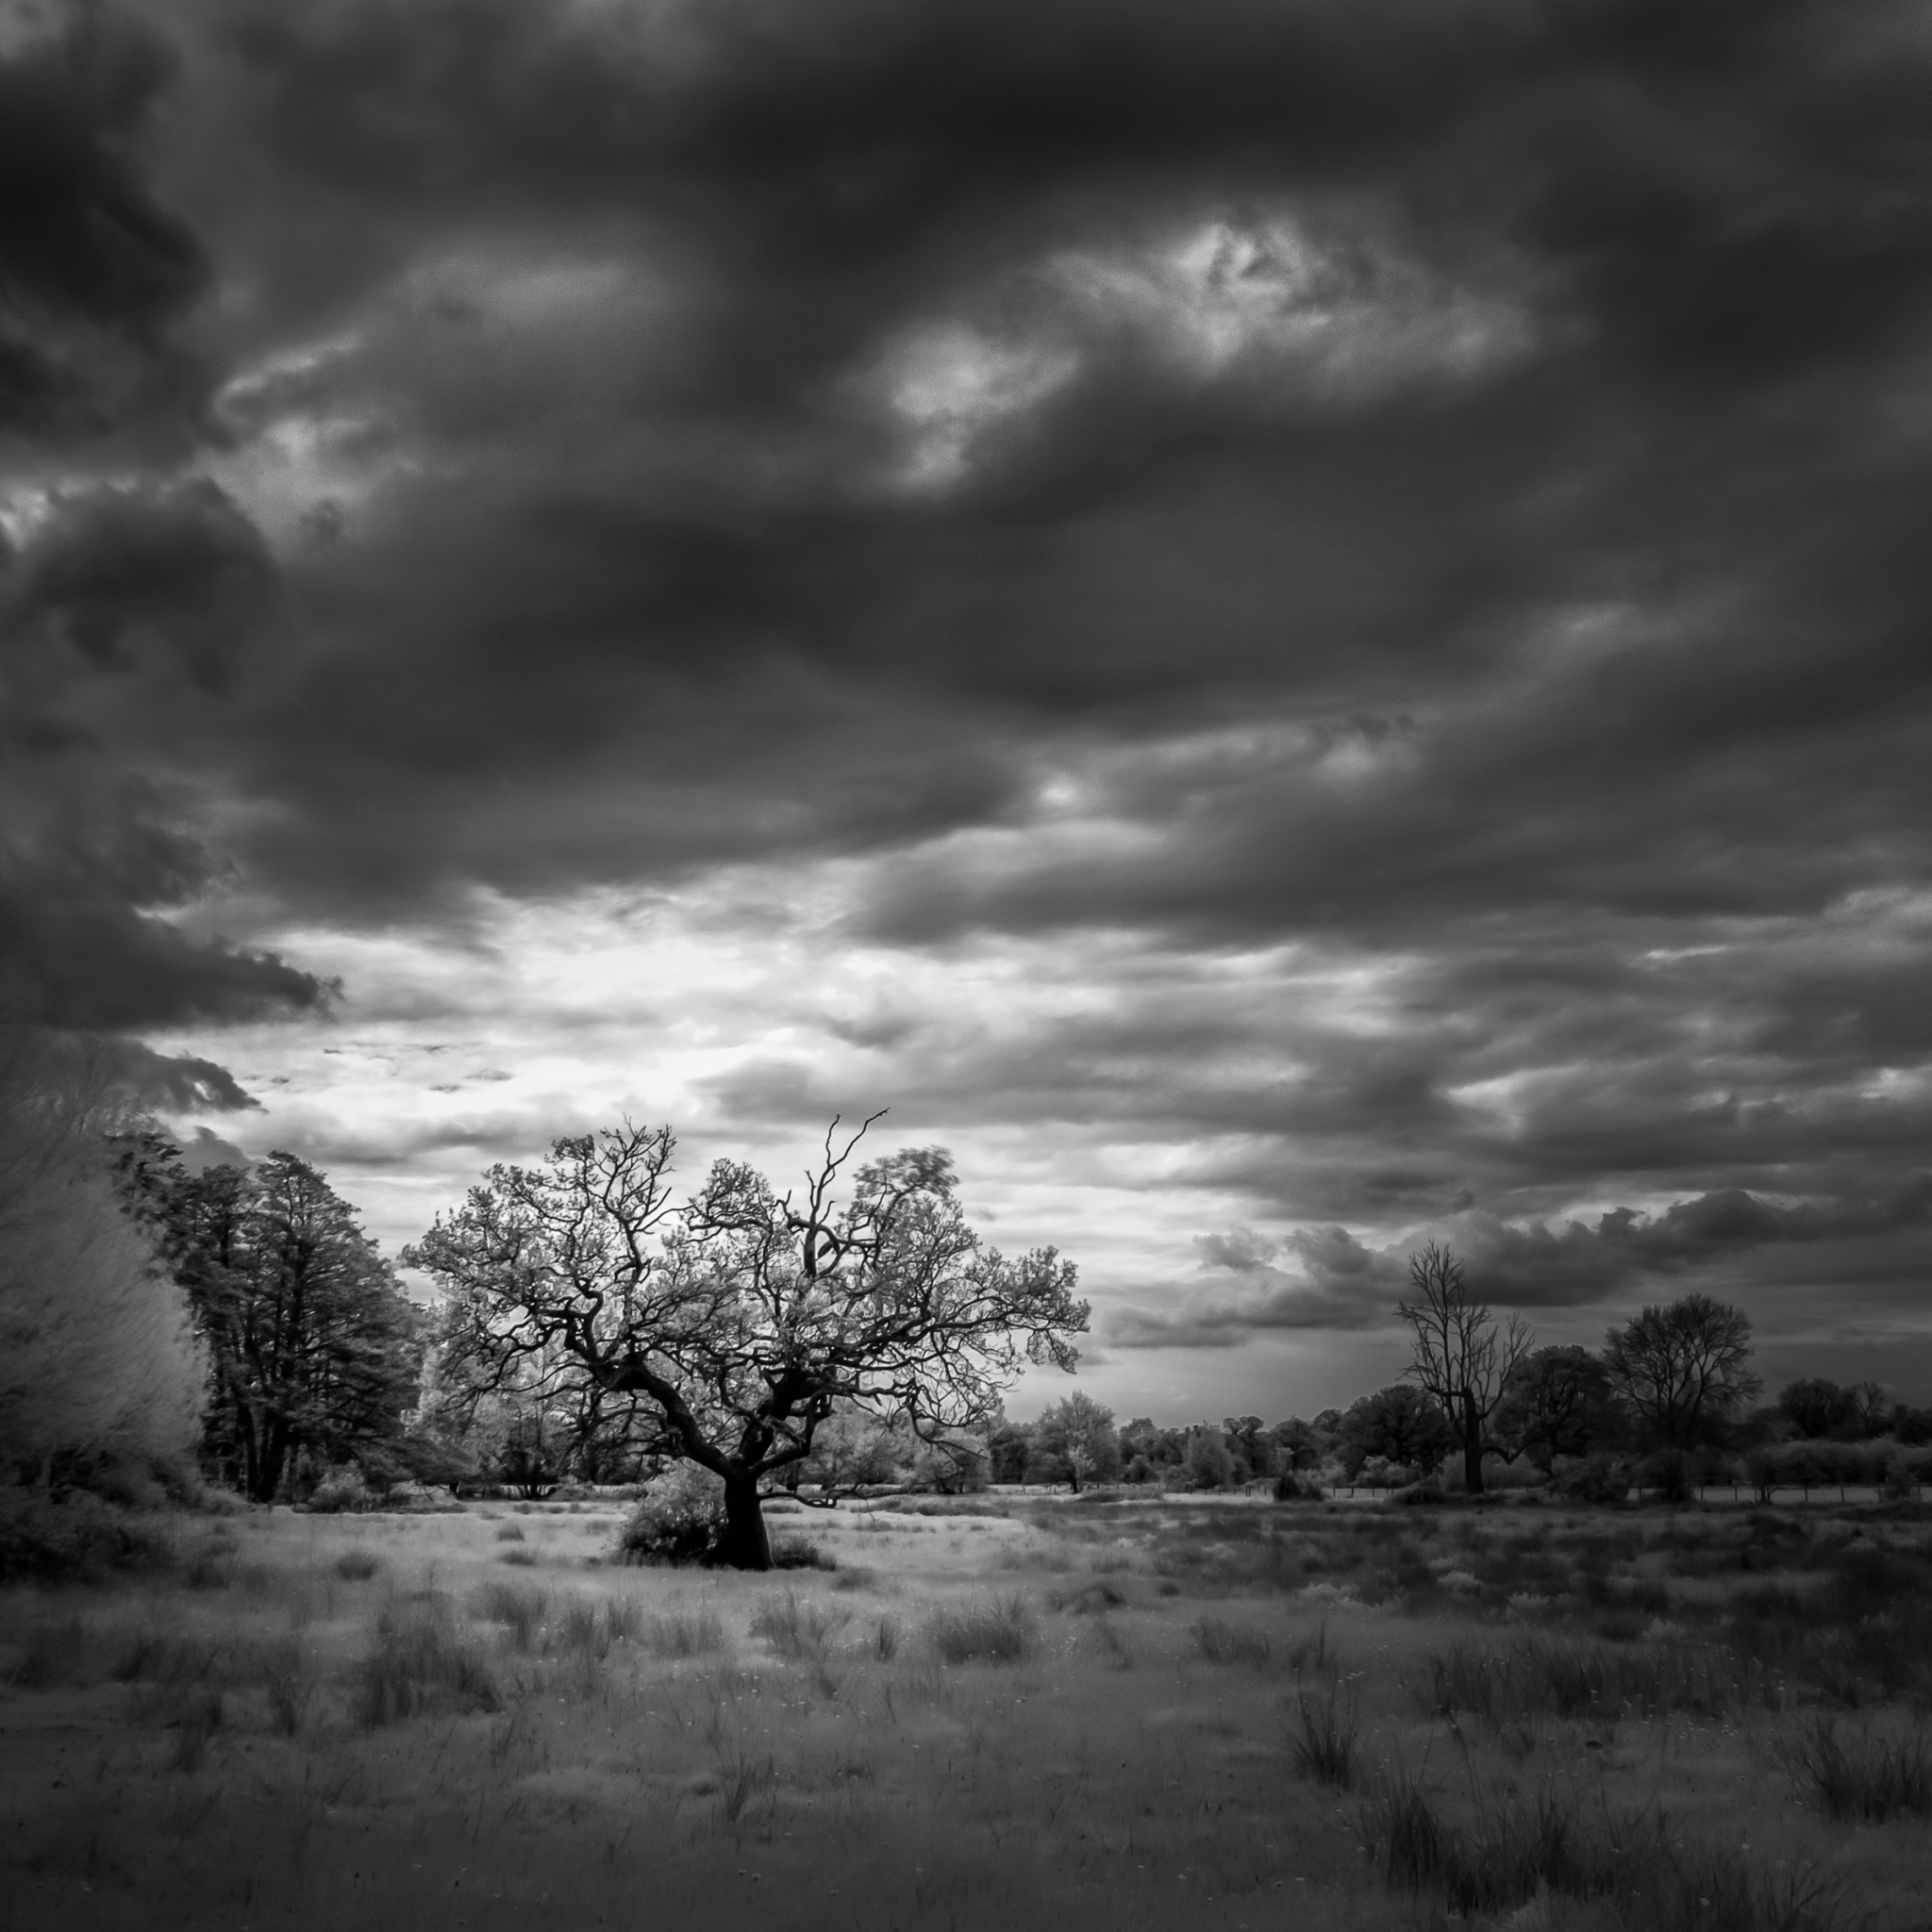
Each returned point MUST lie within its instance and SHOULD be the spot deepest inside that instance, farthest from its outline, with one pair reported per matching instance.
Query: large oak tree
(740, 1317)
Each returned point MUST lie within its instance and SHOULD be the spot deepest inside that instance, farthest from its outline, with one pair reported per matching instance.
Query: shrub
(1666, 1474)
(679, 1519)
(78, 1537)
(1595, 1479)
(342, 1491)
(995, 1632)
(358, 1566)
(1290, 1487)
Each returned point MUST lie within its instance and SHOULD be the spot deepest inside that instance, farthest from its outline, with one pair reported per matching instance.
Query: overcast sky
(1294, 628)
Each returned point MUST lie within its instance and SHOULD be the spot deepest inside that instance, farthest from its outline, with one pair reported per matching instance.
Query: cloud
(1319, 615)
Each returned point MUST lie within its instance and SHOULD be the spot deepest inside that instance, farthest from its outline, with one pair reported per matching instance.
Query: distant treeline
(237, 1326)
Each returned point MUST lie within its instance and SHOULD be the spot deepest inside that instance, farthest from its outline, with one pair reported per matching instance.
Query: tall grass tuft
(998, 1631)
(519, 1607)
(288, 1677)
(358, 1566)
(1322, 1737)
(1222, 1643)
(795, 1629)
(417, 1658)
(1868, 1777)
(1507, 1850)
(1588, 1681)
(684, 1634)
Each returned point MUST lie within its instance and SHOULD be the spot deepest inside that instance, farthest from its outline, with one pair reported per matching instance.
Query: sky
(1295, 628)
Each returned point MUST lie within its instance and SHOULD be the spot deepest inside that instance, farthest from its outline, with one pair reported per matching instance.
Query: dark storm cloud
(1439, 489)
(124, 607)
(1337, 1282)
(93, 267)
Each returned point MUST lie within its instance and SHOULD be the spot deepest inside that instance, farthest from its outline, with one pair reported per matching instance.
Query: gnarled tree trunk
(747, 1546)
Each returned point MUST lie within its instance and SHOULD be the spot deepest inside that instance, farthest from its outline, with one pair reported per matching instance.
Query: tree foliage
(1558, 1402)
(98, 1360)
(1075, 1435)
(312, 1346)
(738, 1317)
(1681, 1367)
(1400, 1424)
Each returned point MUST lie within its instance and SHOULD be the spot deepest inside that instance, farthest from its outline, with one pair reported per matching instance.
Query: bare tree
(1461, 1357)
(1681, 1367)
(740, 1318)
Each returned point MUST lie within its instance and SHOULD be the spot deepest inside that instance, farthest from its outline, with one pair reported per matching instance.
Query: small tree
(1460, 1356)
(1681, 1368)
(1079, 1433)
(1209, 1464)
(742, 1319)
(1400, 1425)
(1558, 1402)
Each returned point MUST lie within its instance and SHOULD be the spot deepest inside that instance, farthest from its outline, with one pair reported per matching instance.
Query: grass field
(1090, 1713)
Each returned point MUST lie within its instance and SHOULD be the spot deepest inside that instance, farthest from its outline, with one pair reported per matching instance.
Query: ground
(991, 1713)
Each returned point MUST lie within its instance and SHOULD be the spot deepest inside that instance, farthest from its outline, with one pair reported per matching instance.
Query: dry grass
(1348, 1719)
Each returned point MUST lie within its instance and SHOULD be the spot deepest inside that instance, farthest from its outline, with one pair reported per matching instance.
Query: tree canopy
(742, 1318)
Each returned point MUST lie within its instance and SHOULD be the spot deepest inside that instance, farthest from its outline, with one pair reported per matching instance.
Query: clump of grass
(583, 1630)
(358, 1566)
(1222, 1643)
(801, 1553)
(417, 1658)
(52, 1655)
(288, 1677)
(1868, 1777)
(155, 1658)
(998, 1631)
(744, 1780)
(795, 1628)
(1516, 1848)
(1312, 1656)
(1588, 1681)
(685, 1634)
(511, 1533)
(520, 1608)
(520, 1559)
(1322, 1737)
(885, 1639)
(198, 1714)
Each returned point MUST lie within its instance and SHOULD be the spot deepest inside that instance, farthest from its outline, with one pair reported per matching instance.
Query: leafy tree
(1078, 1436)
(1209, 1464)
(1815, 1406)
(1557, 1402)
(311, 1345)
(1400, 1424)
(1300, 1446)
(1252, 1446)
(1460, 1356)
(99, 1364)
(741, 1319)
(1681, 1368)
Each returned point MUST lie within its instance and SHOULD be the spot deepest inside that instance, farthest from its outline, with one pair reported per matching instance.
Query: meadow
(987, 1713)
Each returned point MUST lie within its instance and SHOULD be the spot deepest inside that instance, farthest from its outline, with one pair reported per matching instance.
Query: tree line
(854, 1333)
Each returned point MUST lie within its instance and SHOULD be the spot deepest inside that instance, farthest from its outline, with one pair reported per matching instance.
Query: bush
(78, 1537)
(1595, 1479)
(1290, 1487)
(1666, 1474)
(679, 1518)
(800, 1552)
(342, 1491)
